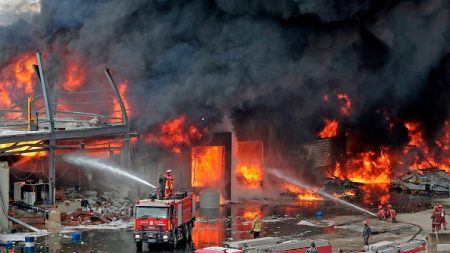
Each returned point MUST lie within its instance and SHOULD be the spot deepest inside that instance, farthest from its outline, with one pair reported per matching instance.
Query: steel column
(126, 154)
(49, 111)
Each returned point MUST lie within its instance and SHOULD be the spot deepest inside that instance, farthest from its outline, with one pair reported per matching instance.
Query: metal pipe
(4, 196)
(126, 155)
(49, 111)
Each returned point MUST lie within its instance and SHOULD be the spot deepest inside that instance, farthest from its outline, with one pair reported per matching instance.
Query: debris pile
(429, 181)
(92, 208)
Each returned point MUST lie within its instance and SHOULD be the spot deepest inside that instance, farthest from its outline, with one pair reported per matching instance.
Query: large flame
(367, 167)
(302, 194)
(175, 134)
(249, 167)
(74, 77)
(207, 166)
(16, 83)
(329, 130)
(117, 112)
(437, 156)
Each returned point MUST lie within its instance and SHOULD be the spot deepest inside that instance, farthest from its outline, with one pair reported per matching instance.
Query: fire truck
(164, 221)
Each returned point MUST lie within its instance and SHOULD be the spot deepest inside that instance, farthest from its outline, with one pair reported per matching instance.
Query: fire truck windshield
(151, 211)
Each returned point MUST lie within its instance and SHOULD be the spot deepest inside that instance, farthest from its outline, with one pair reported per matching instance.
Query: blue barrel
(9, 245)
(76, 236)
(29, 244)
(319, 214)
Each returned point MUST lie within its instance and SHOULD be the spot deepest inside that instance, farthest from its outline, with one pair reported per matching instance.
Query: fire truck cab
(164, 221)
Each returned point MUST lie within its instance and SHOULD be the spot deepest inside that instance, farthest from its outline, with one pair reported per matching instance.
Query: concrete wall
(4, 196)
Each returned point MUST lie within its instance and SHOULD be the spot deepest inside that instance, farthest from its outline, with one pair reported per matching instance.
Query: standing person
(162, 185)
(367, 232)
(435, 219)
(256, 227)
(381, 213)
(392, 214)
(442, 215)
(168, 189)
(312, 249)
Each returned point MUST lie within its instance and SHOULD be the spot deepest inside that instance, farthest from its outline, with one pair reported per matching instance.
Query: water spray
(322, 193)
(95, 163)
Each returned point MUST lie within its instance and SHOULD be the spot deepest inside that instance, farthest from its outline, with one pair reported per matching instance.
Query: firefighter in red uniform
(435, 219)
(168, 190)
(381, 213)
(442, 215)
(392, 214)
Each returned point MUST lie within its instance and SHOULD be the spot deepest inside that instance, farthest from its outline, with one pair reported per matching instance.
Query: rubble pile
(92, 208)
(429, 181)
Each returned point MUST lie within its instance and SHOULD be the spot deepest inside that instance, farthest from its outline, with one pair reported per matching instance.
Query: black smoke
(267, 64)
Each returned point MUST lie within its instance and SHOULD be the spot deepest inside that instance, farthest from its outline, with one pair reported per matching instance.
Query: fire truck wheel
(139, 246)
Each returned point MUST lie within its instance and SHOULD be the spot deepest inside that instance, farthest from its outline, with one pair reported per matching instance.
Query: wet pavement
(281, 218)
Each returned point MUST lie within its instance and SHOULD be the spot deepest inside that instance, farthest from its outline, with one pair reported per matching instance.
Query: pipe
(4, 196)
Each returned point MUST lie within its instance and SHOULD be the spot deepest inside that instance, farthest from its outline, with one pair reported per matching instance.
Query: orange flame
(346, 103)
(174, 134)
(117, 112)
(207, 165)
(438, 156)
(16, 79)
(74, 77)
(366, 167)
(301, 193)
(346, 193)
(249, 168)
(251, 214)
(329, 130)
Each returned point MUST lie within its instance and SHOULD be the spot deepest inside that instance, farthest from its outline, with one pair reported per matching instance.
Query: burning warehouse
(276, 107)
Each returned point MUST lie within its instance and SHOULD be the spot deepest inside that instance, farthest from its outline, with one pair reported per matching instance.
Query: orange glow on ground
(208, 233)
(329, 130)
(302, 194)
(249, 167)
(379, 190)
(207, 166)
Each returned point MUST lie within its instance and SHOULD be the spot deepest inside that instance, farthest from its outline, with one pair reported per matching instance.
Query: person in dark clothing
(312, 249)
(162, 185)
(366, 232)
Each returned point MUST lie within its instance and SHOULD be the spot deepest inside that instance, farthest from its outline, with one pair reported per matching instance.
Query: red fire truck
(164, 221)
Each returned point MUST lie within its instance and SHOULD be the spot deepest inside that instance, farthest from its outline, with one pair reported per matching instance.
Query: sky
(11, 10)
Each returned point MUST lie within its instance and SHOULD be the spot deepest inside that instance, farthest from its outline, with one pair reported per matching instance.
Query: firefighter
(435, 219)
(392, 214)
(381, 213)
(168, 189)
(442, 215)
(256, 227)
(367, 232)
(162, 186)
